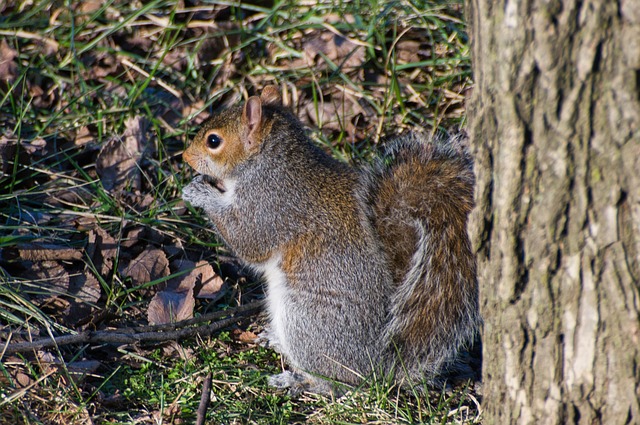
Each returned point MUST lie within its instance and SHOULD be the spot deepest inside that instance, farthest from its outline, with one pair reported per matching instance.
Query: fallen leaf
(184, 281)
(150, 265)
(83, 136)
(337, 48)
(15, 367)
(8, 66)
(177, 350)
(337, 111)
(170, 307)
(133, 237)
(28, 148)
(101, 65)
(102, 248)
(212, 283)
(41, 99)
(247, 337)
(409, 51)
(135, 44)
(85, 287)
(84, 293)
(174, 247)
(79, 370)
(195, 113)
(118, 160)
(87, 7)
(46, 357)
(46, 279)
(35, 146)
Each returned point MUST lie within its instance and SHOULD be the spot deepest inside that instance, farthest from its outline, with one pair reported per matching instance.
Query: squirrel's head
(230, 137)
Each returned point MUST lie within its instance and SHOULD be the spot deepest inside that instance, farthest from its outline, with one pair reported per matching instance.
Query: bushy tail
(422, 196)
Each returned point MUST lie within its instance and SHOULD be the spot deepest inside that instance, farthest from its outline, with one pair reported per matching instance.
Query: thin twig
(159, 333)
(204, 400)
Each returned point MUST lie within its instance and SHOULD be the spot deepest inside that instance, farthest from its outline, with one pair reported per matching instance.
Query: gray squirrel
(368, 271)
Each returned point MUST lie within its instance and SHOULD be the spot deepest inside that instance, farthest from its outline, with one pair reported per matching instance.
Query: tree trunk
(555, 127)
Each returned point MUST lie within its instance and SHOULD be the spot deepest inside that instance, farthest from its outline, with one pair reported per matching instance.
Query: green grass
(81, 71)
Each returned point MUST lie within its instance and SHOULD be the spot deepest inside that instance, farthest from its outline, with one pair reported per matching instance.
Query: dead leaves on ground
(89, 158)
(65, 281)
(69, 281)
(324, 64)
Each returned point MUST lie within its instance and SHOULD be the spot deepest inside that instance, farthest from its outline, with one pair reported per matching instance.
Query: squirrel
(368, 270)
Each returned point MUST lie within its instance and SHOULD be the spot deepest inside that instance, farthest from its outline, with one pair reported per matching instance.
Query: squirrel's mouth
(214, 183)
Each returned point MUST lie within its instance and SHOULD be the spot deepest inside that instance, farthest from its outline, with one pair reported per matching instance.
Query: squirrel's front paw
(199, 192)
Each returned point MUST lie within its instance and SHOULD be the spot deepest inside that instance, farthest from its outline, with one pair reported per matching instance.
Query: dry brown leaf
(408, 51)
(86, 7)
(117, 162)
(170, 307)
(136, 44)
(176, 59)
(47, 279)
(79, 370)
(133, 237)
(337, 111)
(145, 201)
(85, 287)
(35, 146)
(173, 247)
(102, 64)
(28, 148)
(8, 66)
(212, 283)
(338, 49)
(102, 249)
(177, 350)
(247, 337)
(15, 367)
(197, 110)
(84, 293)
(185, 281)
(83, 136)
(150, 265)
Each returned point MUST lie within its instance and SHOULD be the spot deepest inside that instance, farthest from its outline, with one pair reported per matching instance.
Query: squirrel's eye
(213, 141)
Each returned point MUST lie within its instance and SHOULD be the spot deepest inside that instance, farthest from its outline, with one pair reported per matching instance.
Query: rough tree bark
(555, 126)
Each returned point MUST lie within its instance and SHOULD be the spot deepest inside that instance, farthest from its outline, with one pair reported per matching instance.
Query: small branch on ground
(204, 400)
(158, 333)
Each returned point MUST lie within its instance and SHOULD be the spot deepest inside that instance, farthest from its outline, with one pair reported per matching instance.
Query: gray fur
(337, 314)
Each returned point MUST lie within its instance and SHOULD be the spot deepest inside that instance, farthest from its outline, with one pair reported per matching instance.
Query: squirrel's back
(422, 194)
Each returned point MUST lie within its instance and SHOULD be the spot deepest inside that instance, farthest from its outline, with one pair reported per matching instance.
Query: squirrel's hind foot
(297, 383)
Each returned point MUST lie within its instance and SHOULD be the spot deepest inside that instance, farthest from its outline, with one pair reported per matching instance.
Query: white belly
(277, 299)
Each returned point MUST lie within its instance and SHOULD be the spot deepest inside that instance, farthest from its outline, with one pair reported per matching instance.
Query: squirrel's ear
(271, 96)
(252, 116)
